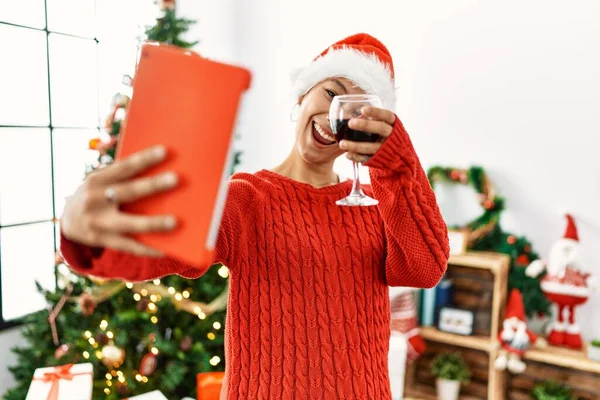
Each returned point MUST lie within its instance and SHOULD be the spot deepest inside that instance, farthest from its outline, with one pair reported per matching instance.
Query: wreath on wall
(485, 233)
(492, 204)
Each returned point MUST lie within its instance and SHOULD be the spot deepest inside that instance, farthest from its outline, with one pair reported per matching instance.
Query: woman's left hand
(373, 120)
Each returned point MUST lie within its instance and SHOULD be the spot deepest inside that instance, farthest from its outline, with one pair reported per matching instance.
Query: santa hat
(571, 230)
(515, 307)
(361, 58)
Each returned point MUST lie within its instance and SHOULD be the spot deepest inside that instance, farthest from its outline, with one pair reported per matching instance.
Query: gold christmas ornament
(112, 355)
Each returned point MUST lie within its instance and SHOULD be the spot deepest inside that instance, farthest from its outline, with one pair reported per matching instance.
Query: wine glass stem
(356, 189)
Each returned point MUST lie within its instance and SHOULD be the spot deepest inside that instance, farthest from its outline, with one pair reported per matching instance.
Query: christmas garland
(486, 234)
(89, 299)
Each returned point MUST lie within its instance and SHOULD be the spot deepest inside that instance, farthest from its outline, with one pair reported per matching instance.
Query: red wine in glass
(341, 110)
(342, 131)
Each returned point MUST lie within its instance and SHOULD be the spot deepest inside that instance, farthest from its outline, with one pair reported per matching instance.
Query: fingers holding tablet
(92, 216)
(131, 166)
(132, 190)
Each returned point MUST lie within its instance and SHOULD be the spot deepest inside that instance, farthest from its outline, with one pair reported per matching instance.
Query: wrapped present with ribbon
(63, 382)
(153, 395)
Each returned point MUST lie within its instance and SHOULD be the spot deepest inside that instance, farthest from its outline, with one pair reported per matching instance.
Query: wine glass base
(357, 200)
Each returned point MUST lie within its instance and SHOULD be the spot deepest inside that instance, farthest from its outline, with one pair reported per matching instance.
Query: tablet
(189, 104)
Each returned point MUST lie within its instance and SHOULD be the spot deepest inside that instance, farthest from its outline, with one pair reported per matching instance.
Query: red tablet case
(190, 105)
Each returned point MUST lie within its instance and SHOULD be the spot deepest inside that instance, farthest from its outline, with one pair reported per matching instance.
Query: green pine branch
(169, 29)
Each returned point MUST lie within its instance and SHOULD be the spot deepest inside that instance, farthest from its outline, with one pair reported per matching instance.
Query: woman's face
(314, 140)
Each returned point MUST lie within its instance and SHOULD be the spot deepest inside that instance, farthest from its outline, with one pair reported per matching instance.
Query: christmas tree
(139, 336)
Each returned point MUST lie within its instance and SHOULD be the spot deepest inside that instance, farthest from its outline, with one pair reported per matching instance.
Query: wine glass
(342, 109)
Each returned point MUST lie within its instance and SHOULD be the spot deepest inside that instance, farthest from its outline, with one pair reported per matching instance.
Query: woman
(308, 312)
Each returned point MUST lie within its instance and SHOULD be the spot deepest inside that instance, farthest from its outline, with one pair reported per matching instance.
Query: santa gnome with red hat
(514, 337)
(565, 284)
(403, 321)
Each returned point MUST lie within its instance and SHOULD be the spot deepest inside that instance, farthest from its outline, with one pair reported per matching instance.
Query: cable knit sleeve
(108, 263)
(416, 236)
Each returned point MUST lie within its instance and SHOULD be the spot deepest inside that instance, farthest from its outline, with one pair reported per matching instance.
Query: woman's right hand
(92, 216)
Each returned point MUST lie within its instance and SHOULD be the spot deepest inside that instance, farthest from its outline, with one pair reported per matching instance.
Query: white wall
(8, 340)
(512, 86)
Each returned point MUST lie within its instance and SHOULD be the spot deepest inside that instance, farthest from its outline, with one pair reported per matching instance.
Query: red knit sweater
(308, 312)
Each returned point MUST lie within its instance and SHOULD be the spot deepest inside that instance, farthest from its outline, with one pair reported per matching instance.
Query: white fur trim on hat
(364, 69)
(573, 329)
(565, 289)
(558, 326)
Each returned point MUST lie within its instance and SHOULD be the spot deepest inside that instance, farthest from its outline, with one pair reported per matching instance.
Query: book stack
(431, 301)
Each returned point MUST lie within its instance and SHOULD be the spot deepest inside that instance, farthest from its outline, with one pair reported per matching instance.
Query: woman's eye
(330, 93)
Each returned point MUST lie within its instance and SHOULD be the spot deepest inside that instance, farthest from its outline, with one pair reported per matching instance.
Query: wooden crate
(562, 365)
(489, 274)
(473, 290)
(477, 360)
(480, 280)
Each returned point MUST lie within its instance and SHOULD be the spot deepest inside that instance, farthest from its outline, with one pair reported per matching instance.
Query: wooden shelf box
(485, 275)
(480, 283)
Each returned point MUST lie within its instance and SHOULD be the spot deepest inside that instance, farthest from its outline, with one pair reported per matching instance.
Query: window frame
(7, 324)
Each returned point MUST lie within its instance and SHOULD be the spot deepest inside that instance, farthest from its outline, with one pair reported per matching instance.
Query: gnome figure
(404, 321)
(514, 337)
(565, 284)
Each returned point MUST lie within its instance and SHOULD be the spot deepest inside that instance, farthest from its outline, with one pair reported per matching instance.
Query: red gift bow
(60, 372)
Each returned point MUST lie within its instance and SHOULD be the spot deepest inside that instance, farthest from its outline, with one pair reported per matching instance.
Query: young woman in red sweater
(308, 313)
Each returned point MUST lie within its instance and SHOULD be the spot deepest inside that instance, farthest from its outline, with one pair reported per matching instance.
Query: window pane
(25, 178)
(73, 81)
(21, 267)
(115, 59)
(117, 51)
(57, 234)
(75, 17)
(23, 77)
(23, 12)
(71, 156)
(124, 19)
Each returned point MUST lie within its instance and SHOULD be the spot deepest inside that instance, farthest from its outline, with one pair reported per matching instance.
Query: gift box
(208, 385)
(153, 395)
(63, 382)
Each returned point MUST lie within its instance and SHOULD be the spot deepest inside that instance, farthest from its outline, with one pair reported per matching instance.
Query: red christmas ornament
(511, 239)
(148, 364)
(142, 305)
(122, 388)
(488, 204)
(186, 343)
(522, 260)
(101, 338)
(87, 304)
(455, 175)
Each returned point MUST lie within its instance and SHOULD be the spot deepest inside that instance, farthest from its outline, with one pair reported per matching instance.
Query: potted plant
(550, 390)
(450, 371)
(593, 350)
